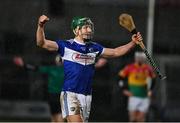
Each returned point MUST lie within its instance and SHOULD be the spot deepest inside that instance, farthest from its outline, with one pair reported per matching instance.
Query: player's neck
(79, 40)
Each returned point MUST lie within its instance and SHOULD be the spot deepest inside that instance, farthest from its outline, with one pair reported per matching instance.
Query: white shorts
(138, 104)
(74, 104)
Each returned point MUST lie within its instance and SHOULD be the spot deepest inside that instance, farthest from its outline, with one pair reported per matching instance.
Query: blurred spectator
(138, 73)
(55, 79)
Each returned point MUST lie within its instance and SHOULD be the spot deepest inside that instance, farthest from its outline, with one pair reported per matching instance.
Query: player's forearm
(40, 36)
(122, 50)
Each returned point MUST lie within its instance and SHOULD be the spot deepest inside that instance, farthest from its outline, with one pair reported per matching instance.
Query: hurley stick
(126, 21)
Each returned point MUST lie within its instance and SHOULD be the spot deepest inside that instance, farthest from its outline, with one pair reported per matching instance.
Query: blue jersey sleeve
(61, 47)
(99, 48)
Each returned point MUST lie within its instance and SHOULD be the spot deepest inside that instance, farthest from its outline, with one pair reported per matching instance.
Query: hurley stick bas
(126, 21)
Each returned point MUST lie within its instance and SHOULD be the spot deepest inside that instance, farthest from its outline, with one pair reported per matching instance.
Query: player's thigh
(133, 103)
(89, 100)
(85, 103)
(145, 102)
(70, 105)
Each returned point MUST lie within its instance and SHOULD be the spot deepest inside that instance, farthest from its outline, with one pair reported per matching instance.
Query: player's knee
(74, 118)
(141, 116)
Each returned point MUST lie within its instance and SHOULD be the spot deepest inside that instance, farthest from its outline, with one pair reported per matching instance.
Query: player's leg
(74, 118)
(88, 102)
(141, 116)
(70, 106)
(85, 102)
(132, 108)
(56, 118)
(132, 116)
(55, 108)
(143, 109)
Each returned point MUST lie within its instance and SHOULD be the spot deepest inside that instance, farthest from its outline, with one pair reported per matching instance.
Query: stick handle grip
(150, 59)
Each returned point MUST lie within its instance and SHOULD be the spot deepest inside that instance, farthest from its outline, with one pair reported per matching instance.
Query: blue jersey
(79, 60)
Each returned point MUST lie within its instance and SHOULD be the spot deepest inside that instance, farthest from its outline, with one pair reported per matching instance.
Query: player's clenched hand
(18, 61)
(42, 20)
(137, 38)
(127, 93)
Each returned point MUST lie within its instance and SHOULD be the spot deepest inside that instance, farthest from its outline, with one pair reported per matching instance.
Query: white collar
(79, 42)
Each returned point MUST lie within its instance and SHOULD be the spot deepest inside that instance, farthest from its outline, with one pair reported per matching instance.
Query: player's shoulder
(93, 43)
(131, 65)
(70, 41)
(65, 42)
(147, 66)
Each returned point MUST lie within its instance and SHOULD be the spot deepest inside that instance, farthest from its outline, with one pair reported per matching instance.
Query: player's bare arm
(122, 50)
(40, 35)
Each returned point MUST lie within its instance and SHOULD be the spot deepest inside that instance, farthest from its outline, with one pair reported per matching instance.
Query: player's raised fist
(42, 20)
(137, 38)
(18, 61)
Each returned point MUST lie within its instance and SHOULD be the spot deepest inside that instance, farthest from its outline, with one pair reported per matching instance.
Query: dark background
(23, 94)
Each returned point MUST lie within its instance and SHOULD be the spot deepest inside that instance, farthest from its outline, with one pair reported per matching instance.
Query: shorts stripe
(66, 104)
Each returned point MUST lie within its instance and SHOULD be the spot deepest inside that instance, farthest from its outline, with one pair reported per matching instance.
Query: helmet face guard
(81, 21)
